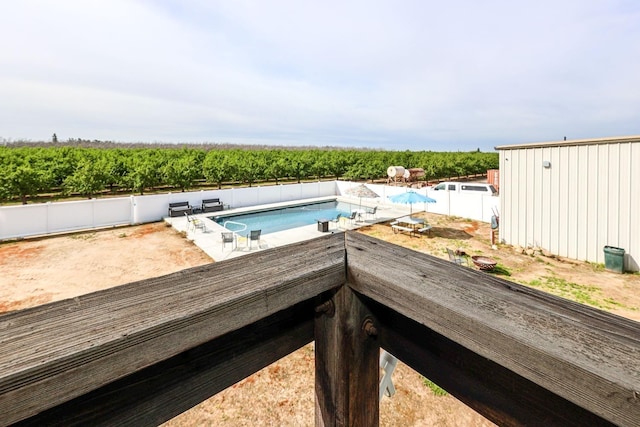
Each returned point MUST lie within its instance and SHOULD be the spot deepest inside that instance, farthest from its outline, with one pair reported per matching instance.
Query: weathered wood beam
(56, 352)
(346, 363)
(586, 356)
(512, 353)
(497, 393)
(160, 392)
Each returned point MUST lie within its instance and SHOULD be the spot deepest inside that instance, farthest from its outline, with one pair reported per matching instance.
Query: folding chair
(458, 259)
(195, 223)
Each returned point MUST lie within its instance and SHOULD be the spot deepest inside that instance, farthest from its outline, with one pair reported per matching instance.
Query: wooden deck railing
(141, 353)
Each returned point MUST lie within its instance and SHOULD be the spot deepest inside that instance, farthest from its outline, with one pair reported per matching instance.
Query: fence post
(346, 362)
(48, 219)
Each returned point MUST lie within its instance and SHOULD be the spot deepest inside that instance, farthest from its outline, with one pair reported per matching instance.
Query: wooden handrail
(585, 356)
(514, 354)
(56, 352)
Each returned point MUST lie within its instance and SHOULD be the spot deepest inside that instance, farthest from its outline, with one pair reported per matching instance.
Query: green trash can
(614, 259)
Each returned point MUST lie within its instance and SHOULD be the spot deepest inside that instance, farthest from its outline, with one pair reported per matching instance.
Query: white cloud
(410, 74)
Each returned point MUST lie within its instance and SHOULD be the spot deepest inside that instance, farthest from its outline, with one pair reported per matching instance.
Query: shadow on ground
(450, 233)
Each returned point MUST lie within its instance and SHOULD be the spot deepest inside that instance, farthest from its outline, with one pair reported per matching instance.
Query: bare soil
(39, 271)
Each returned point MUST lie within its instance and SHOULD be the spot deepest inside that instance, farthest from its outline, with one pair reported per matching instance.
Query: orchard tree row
(27, 172)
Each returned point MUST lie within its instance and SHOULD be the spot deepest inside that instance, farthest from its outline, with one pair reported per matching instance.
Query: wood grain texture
(346, 365)
(56, 352)
(511, 352)
(160, 392)
(583, 355)
(497, 393)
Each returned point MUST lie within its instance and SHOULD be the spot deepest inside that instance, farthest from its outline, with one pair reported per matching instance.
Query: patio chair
(371, 211)
(195, 223)
(352, 217)
(336, 221)
(229, 237)
(254, 236)
(457, 258)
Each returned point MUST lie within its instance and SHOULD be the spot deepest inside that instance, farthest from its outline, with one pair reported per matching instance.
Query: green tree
(339, 161)
(249, 166)
(23, 181)
(299, 165)
(145, 170)
(116, 168)
(218, 167)
(318, 163)
(88, 179)
(183, 169)
(276, 165)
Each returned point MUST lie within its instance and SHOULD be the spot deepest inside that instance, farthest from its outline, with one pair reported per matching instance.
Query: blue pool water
(271, 221)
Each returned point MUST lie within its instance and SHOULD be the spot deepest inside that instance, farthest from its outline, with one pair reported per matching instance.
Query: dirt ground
(38, 271)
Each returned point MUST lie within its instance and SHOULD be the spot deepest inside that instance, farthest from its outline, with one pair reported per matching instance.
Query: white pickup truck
(467, 187)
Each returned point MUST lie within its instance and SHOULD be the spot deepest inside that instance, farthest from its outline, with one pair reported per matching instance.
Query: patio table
(408, 224)
(411, 221)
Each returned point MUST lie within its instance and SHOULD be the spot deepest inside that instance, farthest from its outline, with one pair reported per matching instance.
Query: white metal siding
(633, 233)
(587, 199)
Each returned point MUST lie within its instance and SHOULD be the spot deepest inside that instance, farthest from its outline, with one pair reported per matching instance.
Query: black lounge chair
(179, 209)
(211, 205)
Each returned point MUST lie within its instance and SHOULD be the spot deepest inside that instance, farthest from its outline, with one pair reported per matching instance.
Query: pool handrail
(236, 223)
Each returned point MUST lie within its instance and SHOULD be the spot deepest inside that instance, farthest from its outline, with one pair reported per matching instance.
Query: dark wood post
(347, 352)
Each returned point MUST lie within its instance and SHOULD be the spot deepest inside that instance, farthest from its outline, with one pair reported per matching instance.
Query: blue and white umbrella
(411, 197)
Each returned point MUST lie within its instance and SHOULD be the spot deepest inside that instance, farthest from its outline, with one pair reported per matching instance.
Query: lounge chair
(457, 259)
(229, 237)
(211, 205)
(254, 236)
(179, 208)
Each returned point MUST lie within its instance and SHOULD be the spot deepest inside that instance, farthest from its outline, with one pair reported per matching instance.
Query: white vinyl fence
(60, 217)
(472, 206)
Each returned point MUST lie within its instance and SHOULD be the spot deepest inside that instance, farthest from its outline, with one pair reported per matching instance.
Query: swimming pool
(280, 219)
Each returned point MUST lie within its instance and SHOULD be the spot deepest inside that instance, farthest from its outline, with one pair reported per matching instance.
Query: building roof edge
(608, 140)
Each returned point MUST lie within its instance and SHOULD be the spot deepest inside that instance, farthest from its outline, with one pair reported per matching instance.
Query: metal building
(572, 198)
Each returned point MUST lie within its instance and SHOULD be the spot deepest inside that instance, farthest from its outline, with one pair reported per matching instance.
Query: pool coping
(209, 240)
(270, 206)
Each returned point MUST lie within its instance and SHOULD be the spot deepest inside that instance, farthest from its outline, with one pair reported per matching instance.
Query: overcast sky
(418, 75)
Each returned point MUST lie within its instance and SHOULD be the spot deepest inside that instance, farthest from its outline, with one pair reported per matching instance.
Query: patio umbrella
(411, 197)
(361, 191)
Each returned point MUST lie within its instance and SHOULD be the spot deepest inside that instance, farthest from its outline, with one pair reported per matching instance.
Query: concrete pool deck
(210, 239)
